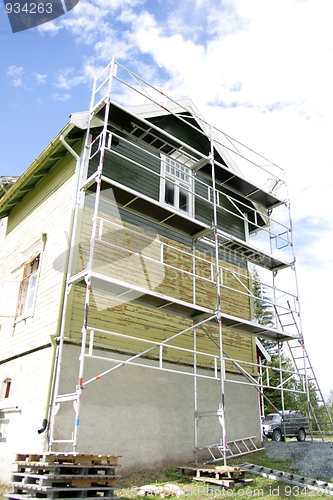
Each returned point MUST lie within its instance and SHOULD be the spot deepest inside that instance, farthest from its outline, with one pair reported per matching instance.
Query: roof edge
(4, 201)
(154, 109)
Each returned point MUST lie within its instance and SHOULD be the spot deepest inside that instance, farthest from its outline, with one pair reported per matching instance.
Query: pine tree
(263, 310)
(262, 307)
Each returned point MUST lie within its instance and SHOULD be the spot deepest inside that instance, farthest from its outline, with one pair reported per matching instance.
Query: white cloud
(15, 74)
(61, 97)
(116, 4)
(49, 28)
(69, 78)
(40, 79)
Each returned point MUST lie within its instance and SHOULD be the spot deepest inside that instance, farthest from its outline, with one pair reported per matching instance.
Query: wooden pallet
(89, 494)
(51, 480)
(54, 476)
(52, 492)
(64, 469)
(224, 476)
(68, 458)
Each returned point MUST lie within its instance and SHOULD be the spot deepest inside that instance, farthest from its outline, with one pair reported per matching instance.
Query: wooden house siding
(186, 134)
(125, 169)
(169, 264)
(113, 256)
(228, 218)
(133, 321)
(168, 253)
(139, 168)
(46, 209)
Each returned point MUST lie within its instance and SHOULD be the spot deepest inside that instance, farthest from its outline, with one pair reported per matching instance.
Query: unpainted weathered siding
(164, 266)
(150, 324)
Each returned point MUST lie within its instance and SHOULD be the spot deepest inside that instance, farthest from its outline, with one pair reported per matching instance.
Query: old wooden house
(126, 315)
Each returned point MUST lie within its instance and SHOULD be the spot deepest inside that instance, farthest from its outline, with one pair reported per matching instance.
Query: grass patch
(260, 458)
(260, 488)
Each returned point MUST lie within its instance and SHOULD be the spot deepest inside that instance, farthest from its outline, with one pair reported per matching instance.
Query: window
(5, 388)
(210, 196)
(176, 185)
(28, 287)
(7, 384)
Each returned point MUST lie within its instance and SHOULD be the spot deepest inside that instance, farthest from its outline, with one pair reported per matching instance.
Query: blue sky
(258, 69)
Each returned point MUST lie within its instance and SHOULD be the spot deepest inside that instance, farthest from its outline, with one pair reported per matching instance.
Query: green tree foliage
(323, 415)
(302, 401)
(263, 310)
(284, 379)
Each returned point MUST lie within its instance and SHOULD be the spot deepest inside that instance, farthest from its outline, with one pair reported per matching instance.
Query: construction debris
(322, 487)
(168, 490)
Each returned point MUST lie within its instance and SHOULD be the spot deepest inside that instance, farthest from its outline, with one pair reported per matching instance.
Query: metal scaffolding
(251, 199)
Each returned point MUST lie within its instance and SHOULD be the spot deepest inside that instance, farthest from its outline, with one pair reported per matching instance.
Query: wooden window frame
(28, 288)
(8, 384)
(5, 388)
(176, 184)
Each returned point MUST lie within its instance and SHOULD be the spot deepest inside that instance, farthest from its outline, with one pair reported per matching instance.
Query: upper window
(6, 388)
(176, 185)
(28, 287)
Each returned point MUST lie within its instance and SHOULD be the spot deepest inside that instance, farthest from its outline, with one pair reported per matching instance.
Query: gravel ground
(313, 459)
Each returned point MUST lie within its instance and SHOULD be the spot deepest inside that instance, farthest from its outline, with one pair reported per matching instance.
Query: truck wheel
(277, 436)
(301, 435)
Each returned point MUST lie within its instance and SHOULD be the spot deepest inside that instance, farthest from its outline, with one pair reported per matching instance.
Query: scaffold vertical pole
(195, 382)
(221, 411)
(98, 179)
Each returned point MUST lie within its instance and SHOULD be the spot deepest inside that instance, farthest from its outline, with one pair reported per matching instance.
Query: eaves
(73, 132)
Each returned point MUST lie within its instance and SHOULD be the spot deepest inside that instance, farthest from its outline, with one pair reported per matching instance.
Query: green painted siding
(146, 180)
(178, 129)
(226, 212)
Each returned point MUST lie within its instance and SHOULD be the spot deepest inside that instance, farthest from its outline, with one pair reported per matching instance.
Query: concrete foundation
(144, 415)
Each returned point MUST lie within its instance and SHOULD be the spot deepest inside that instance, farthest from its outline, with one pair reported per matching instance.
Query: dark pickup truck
(278, 426)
